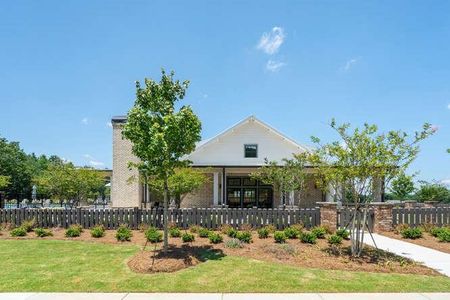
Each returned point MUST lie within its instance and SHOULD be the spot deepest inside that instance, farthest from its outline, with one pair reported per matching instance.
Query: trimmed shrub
(334, 239)
(319, 232)
(271, 228)
(263, 233)
(187, 237)
(175, 232)
(308, 238)
(203, 232)
(232, 233)
(98, 231)
(123, 233)
(215, 238)
(73, 231)
(436, 231)
(400, 227)
(412, 233)
(291, 233)
(225, 228)
(194, 228)
(444, 236)
(28, 225)
(279, 237)
(299, 227)
(19, 231)
(153, 235)
(343, 233)
(42, 232)
(234, 243)
(244, 236)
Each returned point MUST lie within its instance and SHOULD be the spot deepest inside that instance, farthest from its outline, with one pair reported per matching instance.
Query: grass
(69, 266)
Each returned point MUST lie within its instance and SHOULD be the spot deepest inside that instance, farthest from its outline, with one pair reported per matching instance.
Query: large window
(247, 192)
(250, 150)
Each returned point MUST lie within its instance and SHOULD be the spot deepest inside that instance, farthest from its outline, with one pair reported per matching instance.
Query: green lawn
(48, 265)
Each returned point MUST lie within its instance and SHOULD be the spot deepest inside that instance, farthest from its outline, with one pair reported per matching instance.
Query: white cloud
(448, 106)
(92, 161)
(271, 41)
(350, 63)
(274, 66)
(109, 124)
(84, 121)
(446, 181)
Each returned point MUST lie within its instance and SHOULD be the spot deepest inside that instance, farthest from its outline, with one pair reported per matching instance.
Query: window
(251, 150)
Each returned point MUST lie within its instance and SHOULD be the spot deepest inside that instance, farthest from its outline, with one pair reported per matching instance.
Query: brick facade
(328, 214)
(203, 197)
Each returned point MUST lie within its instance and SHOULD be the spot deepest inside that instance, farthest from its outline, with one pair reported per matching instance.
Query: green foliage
(444, 236)
(98, 231)
(279, 237)
(244, 236)
(343, 233)
(203, 232)
(4, 181)
(194, 228)
(263, 232)
(432, 192)
(435, 231)
(187, 237)
(334, 239)
(73, 231)
(402, 186)
(411, 233)
(319, 231)
(291, 232)
(123, 233)
(153, 235)
(234, 243)
(175, 232)
(232, 233)
(19, 231)
(215, 238)
(42, 232)
(308, 237)
(28, 225)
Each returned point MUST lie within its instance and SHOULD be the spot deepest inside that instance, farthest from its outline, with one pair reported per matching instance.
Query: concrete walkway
(218, 296)
(434, 259)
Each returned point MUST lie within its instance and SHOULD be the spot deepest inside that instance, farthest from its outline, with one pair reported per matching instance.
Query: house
(228, 159)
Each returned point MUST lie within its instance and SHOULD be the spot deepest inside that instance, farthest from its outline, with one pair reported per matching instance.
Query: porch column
(216, 189)
(224, 188)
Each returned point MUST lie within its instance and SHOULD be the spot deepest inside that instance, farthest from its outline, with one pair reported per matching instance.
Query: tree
(432, 191)
(358, 161)
(286, 178)
(402, 186)
(4, 182)
(160, 135)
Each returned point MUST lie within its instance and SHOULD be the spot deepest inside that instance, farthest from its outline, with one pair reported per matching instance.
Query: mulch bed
(427, 240)
(293, 253)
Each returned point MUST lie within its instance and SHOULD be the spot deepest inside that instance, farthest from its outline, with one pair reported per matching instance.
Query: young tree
(359, 160)
(161, 135)
(402, 186)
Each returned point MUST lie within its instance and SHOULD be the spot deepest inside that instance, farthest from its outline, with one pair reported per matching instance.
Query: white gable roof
(227, 148)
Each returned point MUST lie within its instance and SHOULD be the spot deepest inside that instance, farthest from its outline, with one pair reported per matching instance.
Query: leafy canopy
(432, 191)
(402, 186)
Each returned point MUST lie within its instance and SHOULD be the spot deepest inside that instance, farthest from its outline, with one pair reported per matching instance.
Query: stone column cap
(382, 204)
(327, 203)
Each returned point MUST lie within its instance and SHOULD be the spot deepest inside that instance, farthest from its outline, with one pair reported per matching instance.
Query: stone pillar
(409, 203)
(328, 214)
(382, 216)
(430, 204)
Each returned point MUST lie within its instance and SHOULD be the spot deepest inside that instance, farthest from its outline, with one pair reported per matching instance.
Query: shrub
(319, 232)
(175, 232)
(308, 238)
(244, 236)
(279, 237)
(42, 232)
(334, 239)
(428, 227)
(153, 235)
(412, 233)
(436, 231)
(246, 227)
(98, 231)
(187, 237)
(299, 227)
(215, 238)
(271, 228)
(123, 233)
(291, 233)
(28, 225)
(444, 236)
(73, 231)
(263, 233)
(194, 228)
(327, 228)
(203, 232)
(400, 227)
(232, 233)
(234, 243)
(225, 228)
(343, 233)
(19, 231)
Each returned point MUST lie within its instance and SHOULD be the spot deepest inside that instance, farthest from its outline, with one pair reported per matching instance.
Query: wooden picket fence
(417, 216)
(345, 216)
(211, 218)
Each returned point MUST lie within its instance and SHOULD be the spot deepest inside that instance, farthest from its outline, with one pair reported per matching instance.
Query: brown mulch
(427, 240)
(293, 253)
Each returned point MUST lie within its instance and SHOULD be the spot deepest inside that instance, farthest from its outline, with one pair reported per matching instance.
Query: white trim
(216, 189)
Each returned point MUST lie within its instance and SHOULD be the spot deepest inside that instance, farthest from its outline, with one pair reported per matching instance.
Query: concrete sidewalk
(434, 259)
(219, 296)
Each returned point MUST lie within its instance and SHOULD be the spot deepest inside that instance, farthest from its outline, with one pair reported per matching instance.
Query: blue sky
(66, 67)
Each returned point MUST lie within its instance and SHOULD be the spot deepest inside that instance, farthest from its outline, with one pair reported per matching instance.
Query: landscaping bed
(427, 240)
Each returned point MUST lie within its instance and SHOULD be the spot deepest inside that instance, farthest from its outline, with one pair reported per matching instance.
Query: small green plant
(153, 235)
(436, 231)
(412, 233)
(73, 231)
(234, 243)
(319, 232)
(187, 237)
(400, 227)
(291, 232)
(175, 232)
(225, 228)
(244, 236)
(232, 233)
(334, 239)
(19, 231)
(271, 228)
(203, 232)
(263, 233)
(308, 238)
(123, 233)
(194, 228)
(279, 237)
(98, 231)
(343, 233)
(28, 225)
(42, 232)
(215, 237)
(444, 236)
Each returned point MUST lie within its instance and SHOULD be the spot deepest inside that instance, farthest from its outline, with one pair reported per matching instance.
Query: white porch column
(216, 189)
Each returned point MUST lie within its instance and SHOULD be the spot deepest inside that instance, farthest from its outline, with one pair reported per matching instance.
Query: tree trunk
(165, 216)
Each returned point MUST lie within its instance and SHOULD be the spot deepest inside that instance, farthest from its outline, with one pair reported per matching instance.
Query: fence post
(328, 214)
(382, 216)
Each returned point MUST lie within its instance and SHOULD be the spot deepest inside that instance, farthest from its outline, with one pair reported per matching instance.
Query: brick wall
(202, 197)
